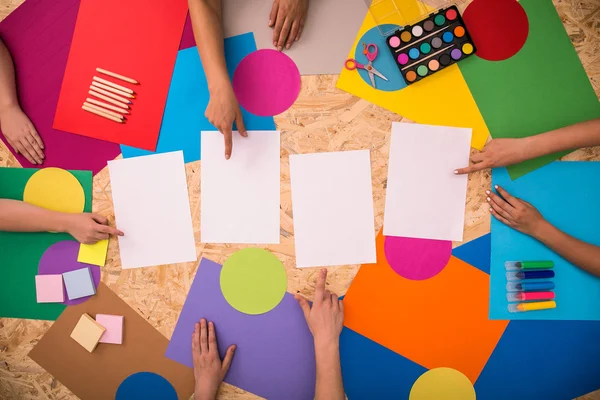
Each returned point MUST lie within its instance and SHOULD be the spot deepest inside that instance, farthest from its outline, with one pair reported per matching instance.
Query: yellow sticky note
(441, 99)
(93, 253)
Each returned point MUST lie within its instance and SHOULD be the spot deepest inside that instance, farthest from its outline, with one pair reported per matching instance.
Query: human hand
(89, 228)
(209, 371)
(21, 134)
(326, 317)
(222, 111)
(497, 153)
(287, 19)
(516, 213)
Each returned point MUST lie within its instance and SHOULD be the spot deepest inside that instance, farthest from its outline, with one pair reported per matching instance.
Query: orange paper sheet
(134, 38)
(442, 99)
(438, 322)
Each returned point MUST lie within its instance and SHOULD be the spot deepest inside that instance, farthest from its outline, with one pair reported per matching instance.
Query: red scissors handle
(351, 64)
(370, 50)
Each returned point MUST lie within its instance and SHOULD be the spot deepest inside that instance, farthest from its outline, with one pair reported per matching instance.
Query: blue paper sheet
(476, 253)
(550, 360)
(567, 194)
(188, 97)
(371, 371)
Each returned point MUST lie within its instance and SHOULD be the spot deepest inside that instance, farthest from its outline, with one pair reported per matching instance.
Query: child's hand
(21, 134)
(287, 19)
(222, 111)
(516, 213)
(89, 228)
(326, 317)
(209, 371)
(497, 153)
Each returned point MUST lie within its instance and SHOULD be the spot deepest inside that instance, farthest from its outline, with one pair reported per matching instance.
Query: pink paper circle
(266, 82)
(62, 257)
(417, 259)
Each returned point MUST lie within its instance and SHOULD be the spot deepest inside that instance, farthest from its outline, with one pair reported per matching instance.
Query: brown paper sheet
(98, 375)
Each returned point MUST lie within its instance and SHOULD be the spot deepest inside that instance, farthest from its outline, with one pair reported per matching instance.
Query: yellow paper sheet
(441, 99)
(93, 253)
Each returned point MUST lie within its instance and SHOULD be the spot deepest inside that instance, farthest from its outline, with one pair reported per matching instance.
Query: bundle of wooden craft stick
(117, 99)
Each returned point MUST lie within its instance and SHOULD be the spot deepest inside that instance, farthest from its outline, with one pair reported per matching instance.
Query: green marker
(535, 264)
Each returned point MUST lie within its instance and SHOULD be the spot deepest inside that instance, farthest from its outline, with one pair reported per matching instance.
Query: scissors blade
(379, 74)
(372, 78)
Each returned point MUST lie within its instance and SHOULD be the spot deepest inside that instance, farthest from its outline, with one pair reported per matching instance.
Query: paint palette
(430, 45)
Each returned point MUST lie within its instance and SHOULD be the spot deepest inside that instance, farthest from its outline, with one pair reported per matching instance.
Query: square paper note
(240, 196)
(49, 289)
(152, 208)
(424, 198)
(79, 283)
(332, 202)
(114, 328)
(87, 332)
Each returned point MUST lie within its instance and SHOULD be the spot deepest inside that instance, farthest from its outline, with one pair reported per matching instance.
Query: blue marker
(541, 274)
(529, 286)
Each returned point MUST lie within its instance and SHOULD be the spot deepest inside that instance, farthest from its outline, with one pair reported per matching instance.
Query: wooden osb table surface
(323, 119)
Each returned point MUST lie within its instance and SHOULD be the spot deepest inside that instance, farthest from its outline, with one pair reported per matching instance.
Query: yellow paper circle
(253, 281)
(55, 189)
(442, 384)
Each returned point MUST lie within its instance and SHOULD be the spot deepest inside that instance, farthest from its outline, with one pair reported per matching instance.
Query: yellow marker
(533, 306)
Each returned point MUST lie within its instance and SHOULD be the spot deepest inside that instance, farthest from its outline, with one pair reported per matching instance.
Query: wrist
(219, 84)
(327, 344)
(205, 392)
(541, 229)
(63, 222)
(8, 106)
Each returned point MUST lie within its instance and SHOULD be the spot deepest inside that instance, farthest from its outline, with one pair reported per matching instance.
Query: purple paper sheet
(275, 355)
(38, 35)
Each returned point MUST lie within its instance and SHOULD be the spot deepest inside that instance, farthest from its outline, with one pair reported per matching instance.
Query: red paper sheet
(134, 38)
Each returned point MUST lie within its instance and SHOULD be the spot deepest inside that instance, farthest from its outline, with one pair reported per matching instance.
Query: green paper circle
(253, 281)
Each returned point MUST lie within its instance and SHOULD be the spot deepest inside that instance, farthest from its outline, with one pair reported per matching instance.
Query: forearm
(583, 134)
(18, 216)
(329, 372)
(207, 22)
(584, 255)
(8, 89)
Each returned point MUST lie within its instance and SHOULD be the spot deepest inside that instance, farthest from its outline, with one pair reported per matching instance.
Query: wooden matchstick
(106, 98)
(111, 95)
(113, 90)
(108, 106)
(101, 114)
(104, 110)
(121, 77)
(116, 86)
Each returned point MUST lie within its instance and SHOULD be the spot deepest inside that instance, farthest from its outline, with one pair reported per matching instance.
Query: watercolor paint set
(431, 44)
(529, 287)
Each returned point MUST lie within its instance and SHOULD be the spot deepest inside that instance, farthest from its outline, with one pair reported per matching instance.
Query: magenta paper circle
(417, 259)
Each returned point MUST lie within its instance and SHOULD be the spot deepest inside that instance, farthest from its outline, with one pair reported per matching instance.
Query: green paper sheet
(541, 88)
(20, 253)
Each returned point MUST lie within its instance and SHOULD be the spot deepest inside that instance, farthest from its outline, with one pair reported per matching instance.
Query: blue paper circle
(384, 62)
(147, 386)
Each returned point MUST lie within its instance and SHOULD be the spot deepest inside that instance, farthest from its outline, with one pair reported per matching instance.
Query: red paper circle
(499, 28)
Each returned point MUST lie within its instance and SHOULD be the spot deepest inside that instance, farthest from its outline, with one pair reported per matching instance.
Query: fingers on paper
(108, 230)
(300, 29)
(239, 122)
(203, 336)
(499, 217)
(293, 34)
(228, 358)
(285, 32)
(196, 339)
(273, 15)
(35, 148)
(507, 196)
(304, 305)
(100, 219)
(20, 148)
(212, 339)
(320, 288)
(228, 142)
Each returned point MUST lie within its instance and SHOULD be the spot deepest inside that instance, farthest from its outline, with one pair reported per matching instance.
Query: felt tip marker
(529, 286)
(535, 306)
(520, 265)
(537, 274)
(528, 296)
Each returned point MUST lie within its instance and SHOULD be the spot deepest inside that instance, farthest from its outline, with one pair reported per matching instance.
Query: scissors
(351, 64)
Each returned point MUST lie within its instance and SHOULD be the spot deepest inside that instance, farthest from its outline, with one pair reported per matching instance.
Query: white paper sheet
(424, 198)
(152, 208)
(332, 204)
(327, 38)
(240, 196)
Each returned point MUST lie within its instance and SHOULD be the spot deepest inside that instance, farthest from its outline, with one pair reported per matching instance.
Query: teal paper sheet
(567, 194)
(188, 97)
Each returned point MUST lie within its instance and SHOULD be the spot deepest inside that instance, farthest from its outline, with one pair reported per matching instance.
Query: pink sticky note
(266, 82)
(114, 328)
(49, 288)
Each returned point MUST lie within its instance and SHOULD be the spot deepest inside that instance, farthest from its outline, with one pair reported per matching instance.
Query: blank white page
(424, 198)
(240, 196)
(332, 203)
(152, 208)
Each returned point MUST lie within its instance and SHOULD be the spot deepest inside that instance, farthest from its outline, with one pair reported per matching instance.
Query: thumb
(228, 359)
(100, 219)
(239, 123)
(304, 305)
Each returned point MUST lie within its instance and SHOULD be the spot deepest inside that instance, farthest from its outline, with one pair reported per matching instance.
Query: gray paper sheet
(329, 32)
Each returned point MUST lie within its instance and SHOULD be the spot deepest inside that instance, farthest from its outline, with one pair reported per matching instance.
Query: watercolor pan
(431, 44)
